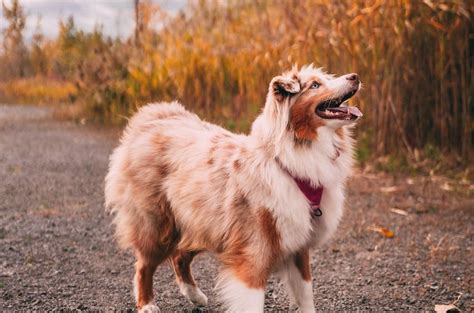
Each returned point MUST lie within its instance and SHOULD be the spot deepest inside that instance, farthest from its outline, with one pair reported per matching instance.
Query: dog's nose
(353, 77)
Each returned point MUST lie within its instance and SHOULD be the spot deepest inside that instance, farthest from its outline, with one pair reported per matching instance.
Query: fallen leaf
(399, 211)
(443, 308)
(384, 231)
(389, 189)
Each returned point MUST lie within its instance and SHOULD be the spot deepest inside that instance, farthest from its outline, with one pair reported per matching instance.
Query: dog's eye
(315, 85)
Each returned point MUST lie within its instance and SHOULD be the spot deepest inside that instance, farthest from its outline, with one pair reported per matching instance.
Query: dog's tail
(116, 194)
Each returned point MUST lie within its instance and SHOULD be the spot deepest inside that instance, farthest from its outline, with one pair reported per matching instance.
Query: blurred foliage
(14, 56)
(37, 90)
(415, 58)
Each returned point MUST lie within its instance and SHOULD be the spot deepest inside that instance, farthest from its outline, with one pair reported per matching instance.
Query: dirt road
(57, 250)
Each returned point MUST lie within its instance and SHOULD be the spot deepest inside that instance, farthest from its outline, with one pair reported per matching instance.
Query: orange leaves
(387, 233)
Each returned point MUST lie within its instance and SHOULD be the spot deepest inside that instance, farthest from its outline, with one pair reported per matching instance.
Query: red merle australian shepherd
(259, 202)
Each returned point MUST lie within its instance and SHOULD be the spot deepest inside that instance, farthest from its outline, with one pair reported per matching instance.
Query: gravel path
(57, 250)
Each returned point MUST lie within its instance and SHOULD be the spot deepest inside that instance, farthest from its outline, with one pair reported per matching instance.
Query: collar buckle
(315, 210)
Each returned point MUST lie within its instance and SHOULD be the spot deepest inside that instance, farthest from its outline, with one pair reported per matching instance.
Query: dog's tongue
(355, 111)
(352, 110)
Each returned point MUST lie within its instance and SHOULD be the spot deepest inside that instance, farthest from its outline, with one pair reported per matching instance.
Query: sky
(116, 16)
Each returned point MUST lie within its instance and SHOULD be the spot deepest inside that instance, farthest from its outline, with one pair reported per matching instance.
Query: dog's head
(313, 99)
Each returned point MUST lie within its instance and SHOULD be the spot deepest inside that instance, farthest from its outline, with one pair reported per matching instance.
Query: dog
(178, 186)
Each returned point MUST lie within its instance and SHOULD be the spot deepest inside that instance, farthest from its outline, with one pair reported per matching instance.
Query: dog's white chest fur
(331, 165)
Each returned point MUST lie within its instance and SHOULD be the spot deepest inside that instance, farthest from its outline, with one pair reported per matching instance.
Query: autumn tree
(38, 58)
(72, 48)
(14, 49)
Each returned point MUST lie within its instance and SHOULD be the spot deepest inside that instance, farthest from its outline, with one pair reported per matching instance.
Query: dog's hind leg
(154, 241)
(143, 282)
(181, 262)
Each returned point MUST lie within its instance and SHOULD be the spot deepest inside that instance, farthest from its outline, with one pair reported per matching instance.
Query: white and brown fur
(179, 186)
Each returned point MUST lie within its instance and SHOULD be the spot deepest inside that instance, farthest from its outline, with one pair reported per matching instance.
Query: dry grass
(415, 59)
(37, 90)
(413, 56)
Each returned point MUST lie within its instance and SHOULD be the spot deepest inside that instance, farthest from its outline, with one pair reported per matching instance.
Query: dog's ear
(283, 86)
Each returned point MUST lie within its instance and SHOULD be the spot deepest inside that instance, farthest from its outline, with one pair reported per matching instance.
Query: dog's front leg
(297, 276)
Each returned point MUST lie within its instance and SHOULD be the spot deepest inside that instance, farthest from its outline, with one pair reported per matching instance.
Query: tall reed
(415, 58)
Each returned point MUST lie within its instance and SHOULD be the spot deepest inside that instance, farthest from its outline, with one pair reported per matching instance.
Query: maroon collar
(312, 194)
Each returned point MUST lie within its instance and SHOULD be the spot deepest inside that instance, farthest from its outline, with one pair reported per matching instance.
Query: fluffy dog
(179, 186)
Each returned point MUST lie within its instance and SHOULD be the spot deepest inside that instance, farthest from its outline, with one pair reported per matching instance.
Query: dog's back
(138, 167)
(167, 158)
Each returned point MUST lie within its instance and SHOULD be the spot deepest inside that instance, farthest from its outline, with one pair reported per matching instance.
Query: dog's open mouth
(335, 109)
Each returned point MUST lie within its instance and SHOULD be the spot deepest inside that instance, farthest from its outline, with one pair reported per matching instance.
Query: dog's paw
(193, 294)
(306, 309)
(149, 308)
